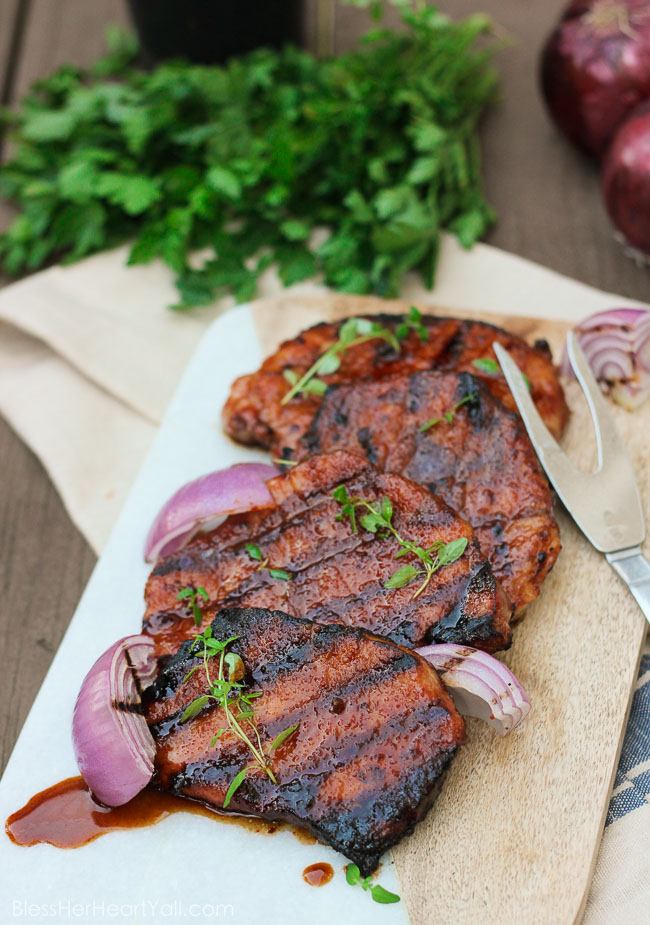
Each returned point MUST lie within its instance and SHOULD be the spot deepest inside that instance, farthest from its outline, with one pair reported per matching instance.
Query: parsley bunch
(379, 146)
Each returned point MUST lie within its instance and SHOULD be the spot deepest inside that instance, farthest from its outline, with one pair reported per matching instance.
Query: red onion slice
(617, 345)
(480, 685)
(112, 743)
(241, 487)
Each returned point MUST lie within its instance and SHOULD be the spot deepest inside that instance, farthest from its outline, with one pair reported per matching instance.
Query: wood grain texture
(8, 52)
(61, 32)
(514, 835)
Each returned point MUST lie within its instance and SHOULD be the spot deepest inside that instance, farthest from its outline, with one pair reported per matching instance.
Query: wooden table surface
(549, 208)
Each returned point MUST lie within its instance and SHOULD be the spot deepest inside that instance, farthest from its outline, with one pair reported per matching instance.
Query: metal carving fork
(605, 504)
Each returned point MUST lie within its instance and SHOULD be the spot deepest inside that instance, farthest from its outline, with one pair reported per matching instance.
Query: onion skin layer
(112, 744)
(480, 685)
(616, 344)
(595, 69)
(241, 487)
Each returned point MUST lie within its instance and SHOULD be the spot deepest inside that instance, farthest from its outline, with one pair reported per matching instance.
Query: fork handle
(633, 567)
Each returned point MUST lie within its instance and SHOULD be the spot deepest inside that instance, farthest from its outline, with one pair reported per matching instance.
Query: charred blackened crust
(337, 575)
(256, 411)
(475, 454)
(376, 731)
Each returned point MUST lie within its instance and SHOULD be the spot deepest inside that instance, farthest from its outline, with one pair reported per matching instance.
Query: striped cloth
(621, 885)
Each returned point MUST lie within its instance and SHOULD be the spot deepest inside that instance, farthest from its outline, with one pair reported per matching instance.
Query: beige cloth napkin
(90, 356)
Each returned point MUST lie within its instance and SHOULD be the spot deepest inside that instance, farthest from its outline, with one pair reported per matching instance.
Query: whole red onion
(596, 69)
(626, 179)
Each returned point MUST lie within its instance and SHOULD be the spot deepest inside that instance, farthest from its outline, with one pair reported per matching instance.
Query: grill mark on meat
(254, 413)
(377, 731)
(365, 441)
(481, 463)
(338, 576)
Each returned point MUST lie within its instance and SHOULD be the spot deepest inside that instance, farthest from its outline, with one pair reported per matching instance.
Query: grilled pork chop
(254, 413)
(376, 731)
(337, 576)
(479, 460)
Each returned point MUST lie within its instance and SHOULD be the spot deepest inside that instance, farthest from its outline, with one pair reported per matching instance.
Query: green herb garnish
(412, 322)
(256, 553)
(448, 416)
(487, 365)
(242, 162)
(377, 519)
(352, 332)
(492, 368)
(191, 596)
(228, 690)
(378, 893)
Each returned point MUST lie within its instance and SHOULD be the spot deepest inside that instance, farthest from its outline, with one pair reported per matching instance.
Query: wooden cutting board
(514, 835)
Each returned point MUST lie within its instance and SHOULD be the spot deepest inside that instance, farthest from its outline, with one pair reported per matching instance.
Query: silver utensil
(605, 504)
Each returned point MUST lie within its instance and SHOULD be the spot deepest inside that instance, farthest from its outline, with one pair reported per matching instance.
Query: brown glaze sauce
(318, 874)
(68, 816)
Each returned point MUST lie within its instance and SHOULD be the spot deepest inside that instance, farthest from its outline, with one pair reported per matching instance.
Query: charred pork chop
(255, 414)
(376, 731)
(331, 573)
(448, 432)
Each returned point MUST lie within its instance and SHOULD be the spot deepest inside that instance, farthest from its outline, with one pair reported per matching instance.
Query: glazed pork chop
(447, 432)
(255, 414)
(331, 573)
(376, 731)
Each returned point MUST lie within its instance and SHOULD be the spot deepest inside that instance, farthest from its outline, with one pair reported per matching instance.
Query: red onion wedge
(480, 685)
(617, 345)
(197, 504)
(112, 743)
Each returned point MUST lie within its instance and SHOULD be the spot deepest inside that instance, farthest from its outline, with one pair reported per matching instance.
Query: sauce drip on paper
(318, 874)
(68, 816)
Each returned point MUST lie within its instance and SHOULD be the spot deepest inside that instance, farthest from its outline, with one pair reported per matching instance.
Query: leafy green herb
(492, 368)
(193, 607)
(282, 737)
(412, 322)
(377, 519)
(235, 783)
(228, 690)
(487, 365)
(241, 162)
(352, 332)
(378, 893)
(256, 553)
(448, 416)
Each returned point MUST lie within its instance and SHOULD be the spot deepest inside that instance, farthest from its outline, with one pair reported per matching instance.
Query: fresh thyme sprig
(448, 416)
(378, 893)
(491, 368)
(256, 553)
(352, 332)
(228, 690)
(487, 365)
(378, 520)
(192, 595)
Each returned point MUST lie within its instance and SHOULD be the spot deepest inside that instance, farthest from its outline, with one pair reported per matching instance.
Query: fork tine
(608, 440)
(557, 464)
(546, 446)
(605, 504)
